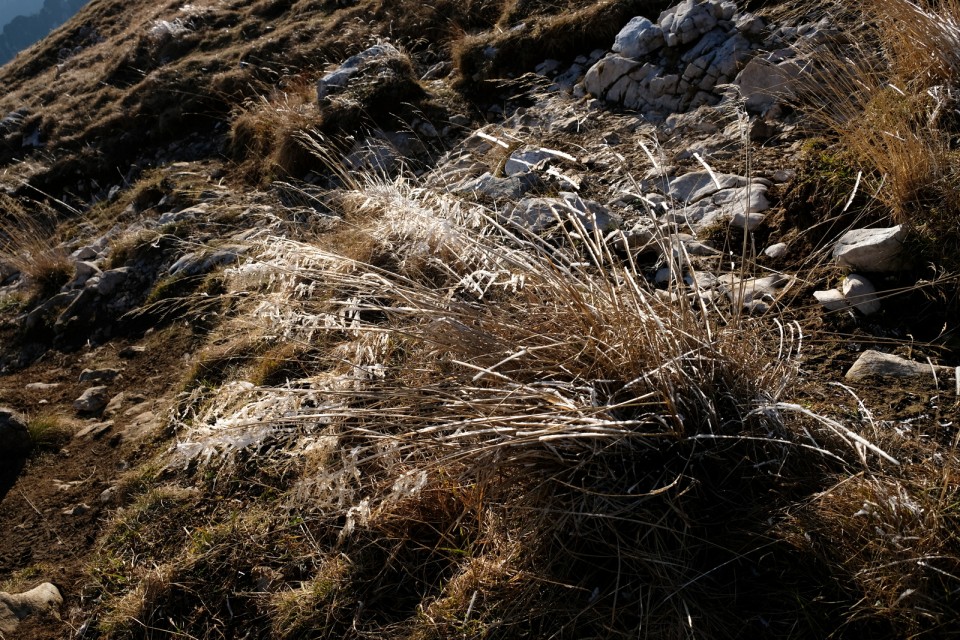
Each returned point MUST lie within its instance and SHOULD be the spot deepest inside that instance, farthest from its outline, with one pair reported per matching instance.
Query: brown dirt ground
(41, 541)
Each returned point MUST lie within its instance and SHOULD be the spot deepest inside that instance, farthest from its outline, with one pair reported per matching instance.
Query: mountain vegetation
(481, 319)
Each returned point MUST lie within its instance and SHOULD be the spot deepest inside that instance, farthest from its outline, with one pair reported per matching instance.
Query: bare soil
(53, 514)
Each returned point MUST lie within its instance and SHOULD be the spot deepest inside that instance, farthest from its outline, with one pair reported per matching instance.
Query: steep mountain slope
(482, 319)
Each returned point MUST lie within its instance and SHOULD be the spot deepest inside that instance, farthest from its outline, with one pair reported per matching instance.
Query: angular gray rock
(15, 442)
(497, 189)
(755, 295)
(539, 214)
(83, 271)
(638, 38)
(16, 607)
(94, 431)
(112, 280)
(860, 294)
(338, 78)
(831, 299)
(871, 250)
(678, 63)
(884, 365)
(92, 400)
(764, 81)
(525, 161)
(697, 185)
(855, 292)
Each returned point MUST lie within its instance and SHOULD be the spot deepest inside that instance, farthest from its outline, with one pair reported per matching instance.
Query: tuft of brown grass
(885, 88)
(29, 245)
(513, 435)
(264, 135)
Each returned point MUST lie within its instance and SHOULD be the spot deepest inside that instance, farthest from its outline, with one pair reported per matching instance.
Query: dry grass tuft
(29, 245)
(49, 431)
(513, 435)
(264, 136)
(885, 87)
(896, 538)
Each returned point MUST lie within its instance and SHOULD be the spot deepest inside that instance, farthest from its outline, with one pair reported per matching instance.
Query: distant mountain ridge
(27, 21)
(10, 9)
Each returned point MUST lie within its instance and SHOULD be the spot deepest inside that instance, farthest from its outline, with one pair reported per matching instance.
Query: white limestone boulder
(885, 365)
(16, 607)
(871, 250)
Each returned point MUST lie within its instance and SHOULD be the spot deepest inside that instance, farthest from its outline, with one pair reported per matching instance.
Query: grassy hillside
(351, 373)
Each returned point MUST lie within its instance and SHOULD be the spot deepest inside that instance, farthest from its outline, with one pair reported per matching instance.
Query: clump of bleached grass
(529, 404)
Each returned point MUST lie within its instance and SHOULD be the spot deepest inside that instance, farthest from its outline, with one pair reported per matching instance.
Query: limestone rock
(16, 607)
(142, 426)
(497, 189)
(638, 38)
(884, 365)
(750, 221)
(695, 186)
(831, 299)
(92, 400)
(15, 440)
(112, 280)
(854, 292)
(83, 271)
(676, 64)
(94, 431)
(860, 294)
(871, 250)
(756, 295)
(525, 161)
(764, 81)
(539, 214)
(776, 251)
(99, 375)
(689, 19)
(42, 386)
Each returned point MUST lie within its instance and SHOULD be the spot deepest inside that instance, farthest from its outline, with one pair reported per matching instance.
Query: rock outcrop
(15, 607)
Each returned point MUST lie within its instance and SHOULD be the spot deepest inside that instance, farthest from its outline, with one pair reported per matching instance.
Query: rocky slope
(476, 319)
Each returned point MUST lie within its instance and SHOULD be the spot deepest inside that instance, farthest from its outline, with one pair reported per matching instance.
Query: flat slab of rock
(42, 386)
(95, 430)
(692, 187)
(99, 375)
(884, 365)
(16, 607)
(871, 250)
